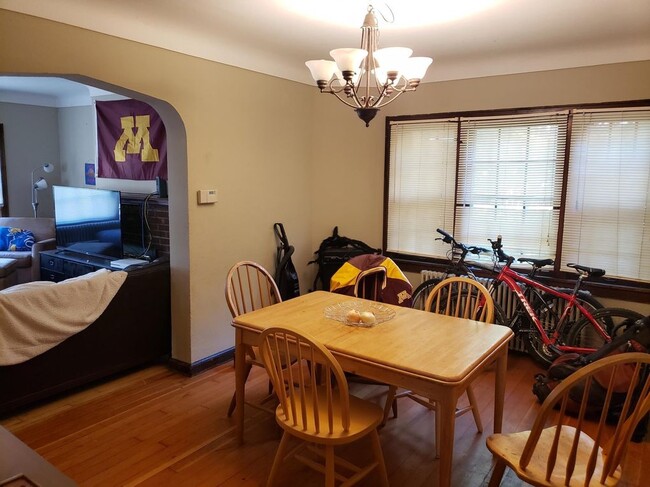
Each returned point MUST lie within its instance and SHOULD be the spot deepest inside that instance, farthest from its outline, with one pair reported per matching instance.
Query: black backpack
(286, 276)
(335, 251)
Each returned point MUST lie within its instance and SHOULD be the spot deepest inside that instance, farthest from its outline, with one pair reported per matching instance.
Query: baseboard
(204, 364)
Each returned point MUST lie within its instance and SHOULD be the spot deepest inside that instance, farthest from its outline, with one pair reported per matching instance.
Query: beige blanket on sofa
(37, 316)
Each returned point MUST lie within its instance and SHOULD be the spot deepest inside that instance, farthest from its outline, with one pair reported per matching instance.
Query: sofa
(28, 266)
(133, 330)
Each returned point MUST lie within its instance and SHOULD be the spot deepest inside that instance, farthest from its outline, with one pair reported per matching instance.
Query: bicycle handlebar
(449, 239)
(497, 248)
(446, 237)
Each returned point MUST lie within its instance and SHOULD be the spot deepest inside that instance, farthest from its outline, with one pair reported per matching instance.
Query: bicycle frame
(511, 279)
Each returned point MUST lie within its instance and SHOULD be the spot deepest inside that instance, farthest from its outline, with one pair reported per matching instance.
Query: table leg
(500, 389)
(240, 384)
(446, 420)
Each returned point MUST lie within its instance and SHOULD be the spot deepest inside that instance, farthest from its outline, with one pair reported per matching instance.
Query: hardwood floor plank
(155, 427)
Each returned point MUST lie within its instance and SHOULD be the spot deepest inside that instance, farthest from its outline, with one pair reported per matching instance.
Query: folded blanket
(37, 316)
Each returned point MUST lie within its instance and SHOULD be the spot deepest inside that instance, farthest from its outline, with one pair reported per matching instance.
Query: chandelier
(367, 79)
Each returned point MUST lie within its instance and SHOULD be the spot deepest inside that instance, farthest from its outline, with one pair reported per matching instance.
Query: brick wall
(157, 217)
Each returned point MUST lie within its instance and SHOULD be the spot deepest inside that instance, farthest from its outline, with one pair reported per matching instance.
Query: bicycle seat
(537, 263)
(590, 271)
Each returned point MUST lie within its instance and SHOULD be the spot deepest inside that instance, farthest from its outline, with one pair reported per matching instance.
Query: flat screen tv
(87, 221)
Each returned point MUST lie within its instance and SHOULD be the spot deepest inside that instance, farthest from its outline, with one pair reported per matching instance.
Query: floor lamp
(39, 185)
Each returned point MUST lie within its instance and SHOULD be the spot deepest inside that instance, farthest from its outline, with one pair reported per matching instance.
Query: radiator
(503, 296)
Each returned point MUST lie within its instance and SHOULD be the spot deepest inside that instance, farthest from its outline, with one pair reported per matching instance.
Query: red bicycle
(554, 321)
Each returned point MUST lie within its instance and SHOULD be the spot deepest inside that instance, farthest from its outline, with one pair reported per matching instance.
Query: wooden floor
(156, 427)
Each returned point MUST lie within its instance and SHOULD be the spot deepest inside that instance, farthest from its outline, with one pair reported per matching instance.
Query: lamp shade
(392, 58)
(321, 69)
(47, 167)
(348, 59)
(416, 67)
(40, 184)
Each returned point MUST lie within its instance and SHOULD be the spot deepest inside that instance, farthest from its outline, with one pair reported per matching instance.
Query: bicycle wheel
(549, 309)
(500, 317)
(422, 292)
(612, 320)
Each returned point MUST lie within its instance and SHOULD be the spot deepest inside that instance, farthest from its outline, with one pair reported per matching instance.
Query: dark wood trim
(458, 142)
(564, 190)
(384, 240)
(204, 364)
(4, 210)
(519, 111)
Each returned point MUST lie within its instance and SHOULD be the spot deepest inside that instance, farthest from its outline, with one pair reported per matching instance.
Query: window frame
(616, 288)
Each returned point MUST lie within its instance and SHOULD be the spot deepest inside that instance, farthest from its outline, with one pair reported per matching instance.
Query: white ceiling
(466, 38)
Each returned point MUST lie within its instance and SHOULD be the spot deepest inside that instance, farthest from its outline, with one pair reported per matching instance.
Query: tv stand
(57, 265)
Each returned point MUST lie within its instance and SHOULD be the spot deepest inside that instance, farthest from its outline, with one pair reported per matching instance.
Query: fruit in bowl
(355, 317)
(367, 318)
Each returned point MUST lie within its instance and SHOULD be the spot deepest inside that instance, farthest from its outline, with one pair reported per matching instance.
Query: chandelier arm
(390, 100)
(344, 100)
(337, 92)
(402, 86)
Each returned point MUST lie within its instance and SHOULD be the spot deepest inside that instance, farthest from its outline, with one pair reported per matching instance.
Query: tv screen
(88, 221)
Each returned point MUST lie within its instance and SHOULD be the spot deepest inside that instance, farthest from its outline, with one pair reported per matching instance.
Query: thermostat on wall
(206, 196)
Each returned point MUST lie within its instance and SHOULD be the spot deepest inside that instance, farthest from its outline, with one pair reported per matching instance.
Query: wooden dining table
(433, 355)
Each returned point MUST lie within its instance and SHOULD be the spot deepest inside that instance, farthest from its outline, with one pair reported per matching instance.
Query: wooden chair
(249, 287)
(574, 450)
(460, 297)
(370, 283)
(321, 413)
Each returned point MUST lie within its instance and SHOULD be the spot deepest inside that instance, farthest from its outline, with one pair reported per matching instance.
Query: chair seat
(510, 446)
(364, 417)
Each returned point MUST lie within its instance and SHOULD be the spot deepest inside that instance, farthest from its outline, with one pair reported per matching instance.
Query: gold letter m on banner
(132, 142)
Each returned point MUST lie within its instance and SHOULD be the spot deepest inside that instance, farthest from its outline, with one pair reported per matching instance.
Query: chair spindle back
(609, 441)
(249, 287)
(463, 298)
(320, 408)
(370, 283)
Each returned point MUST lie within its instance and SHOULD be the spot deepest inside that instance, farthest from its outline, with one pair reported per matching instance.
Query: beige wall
(247, 135)
(275, 150)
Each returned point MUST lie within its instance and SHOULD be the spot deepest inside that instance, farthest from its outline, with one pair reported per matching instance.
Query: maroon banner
(131, 141)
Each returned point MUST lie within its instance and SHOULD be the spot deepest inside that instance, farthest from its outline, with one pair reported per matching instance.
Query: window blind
(509, 182)
(607, 221)
(422, 170)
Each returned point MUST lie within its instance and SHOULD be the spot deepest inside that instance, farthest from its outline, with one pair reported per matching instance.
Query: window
(421, 194)
(509, 181)
(607, 222)
(572, 185)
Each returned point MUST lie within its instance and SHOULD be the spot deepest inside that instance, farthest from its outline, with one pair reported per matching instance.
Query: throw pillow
(16, 239)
